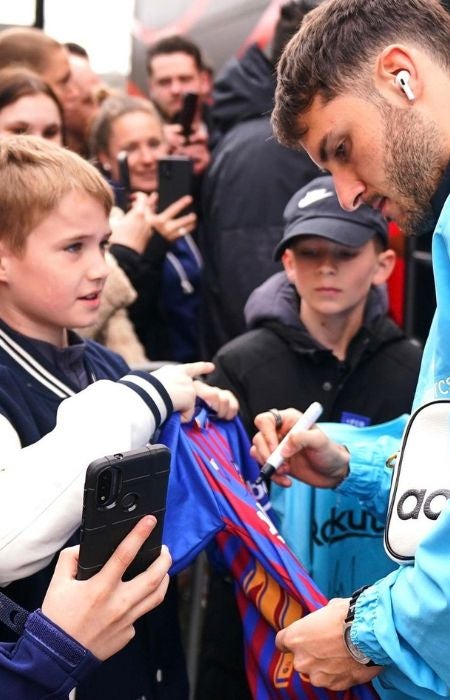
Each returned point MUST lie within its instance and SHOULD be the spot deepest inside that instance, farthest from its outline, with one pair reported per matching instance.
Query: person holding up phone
(81, 623)
(153, 247)
(177, 81)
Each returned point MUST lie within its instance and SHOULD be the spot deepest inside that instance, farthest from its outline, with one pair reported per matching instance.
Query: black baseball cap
(315, 211)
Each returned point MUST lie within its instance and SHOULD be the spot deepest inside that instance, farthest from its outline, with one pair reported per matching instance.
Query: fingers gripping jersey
(212, 493)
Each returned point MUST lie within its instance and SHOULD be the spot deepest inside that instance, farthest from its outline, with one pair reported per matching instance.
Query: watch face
(358, 655)
(347, 639)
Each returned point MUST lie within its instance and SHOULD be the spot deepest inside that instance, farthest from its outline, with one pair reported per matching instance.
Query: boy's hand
(222, 401)
(311, 456)
(178, 381)
(100, 612)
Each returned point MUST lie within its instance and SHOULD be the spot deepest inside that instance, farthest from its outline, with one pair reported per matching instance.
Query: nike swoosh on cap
(314, 196)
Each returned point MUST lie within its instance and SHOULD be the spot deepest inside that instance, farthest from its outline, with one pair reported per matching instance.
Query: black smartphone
(124, 191)
(186, 115)
(175, 181)
(119, 490)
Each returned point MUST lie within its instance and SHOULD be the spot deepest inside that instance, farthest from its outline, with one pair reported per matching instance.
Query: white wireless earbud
(402, 80)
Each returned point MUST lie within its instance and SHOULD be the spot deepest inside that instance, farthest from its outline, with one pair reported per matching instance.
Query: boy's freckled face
(55, 283)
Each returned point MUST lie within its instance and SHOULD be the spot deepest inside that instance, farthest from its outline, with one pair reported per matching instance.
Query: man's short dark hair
(289, 21)
(174, 44)
(338, 41)
(76, 49)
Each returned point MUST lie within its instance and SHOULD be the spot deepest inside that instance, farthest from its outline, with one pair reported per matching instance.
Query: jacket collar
(438, 199)
(25, 351)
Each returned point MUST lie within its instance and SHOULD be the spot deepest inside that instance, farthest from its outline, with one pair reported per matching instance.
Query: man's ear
(389, 63)
(288, 263)
(386, 264)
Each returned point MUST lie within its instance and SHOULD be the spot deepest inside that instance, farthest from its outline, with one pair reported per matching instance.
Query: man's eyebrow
(324, 149)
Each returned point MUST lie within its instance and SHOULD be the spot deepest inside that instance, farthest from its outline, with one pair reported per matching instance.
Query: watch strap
(351, 606)
(353, 649)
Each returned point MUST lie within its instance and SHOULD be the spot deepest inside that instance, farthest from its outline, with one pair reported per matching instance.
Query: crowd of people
(260, 291)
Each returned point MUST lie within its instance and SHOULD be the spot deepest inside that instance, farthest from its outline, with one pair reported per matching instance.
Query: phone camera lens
(104, 486)
(129, 502)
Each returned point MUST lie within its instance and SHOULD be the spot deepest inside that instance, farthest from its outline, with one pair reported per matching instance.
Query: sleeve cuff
(152, 391)
(368, 480)
(77, 661)
(363, 480)
(362, 631)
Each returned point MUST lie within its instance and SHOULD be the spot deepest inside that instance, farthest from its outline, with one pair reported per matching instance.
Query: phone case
(175, 181)
(123, 189)
(124, 172)
(119, 490)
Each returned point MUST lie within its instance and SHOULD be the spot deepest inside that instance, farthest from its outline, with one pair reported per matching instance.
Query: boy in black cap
(319, 331)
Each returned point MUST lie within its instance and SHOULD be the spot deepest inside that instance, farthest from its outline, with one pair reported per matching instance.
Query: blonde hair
(35, 175)
(26, 46)
(111, 109)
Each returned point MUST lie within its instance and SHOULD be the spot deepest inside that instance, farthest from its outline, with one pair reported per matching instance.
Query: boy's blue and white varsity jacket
(33, 384)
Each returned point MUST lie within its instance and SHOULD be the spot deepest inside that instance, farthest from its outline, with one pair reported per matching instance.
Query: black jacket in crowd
(278, 364)
(248, 184)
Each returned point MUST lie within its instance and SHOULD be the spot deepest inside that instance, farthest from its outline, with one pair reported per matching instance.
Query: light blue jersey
(338, 540)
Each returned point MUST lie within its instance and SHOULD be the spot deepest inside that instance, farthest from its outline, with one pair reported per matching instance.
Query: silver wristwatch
(352, 649)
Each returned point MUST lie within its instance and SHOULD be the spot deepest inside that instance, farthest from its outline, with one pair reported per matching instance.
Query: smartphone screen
(175, 181)
(119, 490)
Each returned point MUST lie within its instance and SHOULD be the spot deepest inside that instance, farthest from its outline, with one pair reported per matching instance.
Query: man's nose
(176, 87)
(349, 191)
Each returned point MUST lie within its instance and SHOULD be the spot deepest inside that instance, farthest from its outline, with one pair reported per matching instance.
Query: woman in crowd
(29, 106)
(160, 258)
